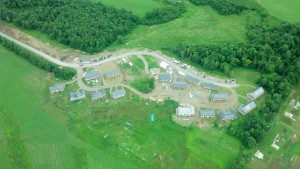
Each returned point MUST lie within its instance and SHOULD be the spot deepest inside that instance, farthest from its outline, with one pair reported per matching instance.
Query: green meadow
(102, 134)
(285, 10)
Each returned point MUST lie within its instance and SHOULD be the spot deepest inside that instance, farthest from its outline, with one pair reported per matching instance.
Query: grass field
(285, 10)
(106, 133)
(137, 7)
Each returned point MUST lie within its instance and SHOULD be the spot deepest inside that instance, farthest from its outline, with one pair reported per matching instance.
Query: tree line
(223, 7)
(82, 25)
(62, 73)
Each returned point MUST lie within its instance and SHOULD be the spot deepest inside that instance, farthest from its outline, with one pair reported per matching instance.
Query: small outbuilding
(211, 86)
(98, 94)
(179, 85)
(219, 97)
(256, 93)
(118, 93)
(91, 75)
(86, 60)
(57, 88)
(193, 80)
(185, 111)
(112, 73)
(164, 65)
(77, 95)
(210, 113)
(165, 77)
(227, 116)
(246, 108)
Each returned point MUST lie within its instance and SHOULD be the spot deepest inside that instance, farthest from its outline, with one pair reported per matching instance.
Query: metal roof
(179, 85)
(77, 95)
(256, 93)
(163, 65)
(209, 112)
(219, 96)
(185, 111)
(228, 115)
(193, 80)
(91, 75)
(86, 60)
(113, 72)
(246, 108)
(165, 77)
(58, 87)
(211, 86)
(98, 94)
(118, 93)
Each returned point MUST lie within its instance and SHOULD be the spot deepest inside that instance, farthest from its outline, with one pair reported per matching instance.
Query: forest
(82, 25)
(223, 7)
(62, 73)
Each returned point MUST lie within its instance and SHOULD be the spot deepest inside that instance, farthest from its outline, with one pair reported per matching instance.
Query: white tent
(164, 65)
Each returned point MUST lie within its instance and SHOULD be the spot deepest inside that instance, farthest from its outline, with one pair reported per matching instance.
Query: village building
(77, 95)
(98, 94)
(227, 116)
(256, 93)
(210, 86)
(57, 88)
(219, 97)
(179, 85)
(118, 93)
(112, 73)
(86, 60)
(91, 75)
(193, 80)
(165, 77)
(185, 111)
(210, 113)
(164, 65)
(246, 108)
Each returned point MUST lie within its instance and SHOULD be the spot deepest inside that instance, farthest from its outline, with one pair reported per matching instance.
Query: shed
(246, 108)
(256, 93)
(112, 73)
(91, 75)
(185, 111)
(98, 94)
(77, 95)
(118, 93)
(210, 113)
(57, 88)
(179, 85)
(165, 77)
(211, 86)
(218, 97)
(86, 60)
(163, 65)
(227, 116)
(193, 80)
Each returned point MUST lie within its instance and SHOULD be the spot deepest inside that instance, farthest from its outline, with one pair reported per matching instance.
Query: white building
(256, 93)
(163, 65)
(185, 111)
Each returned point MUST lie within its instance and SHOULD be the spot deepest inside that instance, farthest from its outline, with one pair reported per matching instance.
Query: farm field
(285, 10)
(137, 7)
(103, 134)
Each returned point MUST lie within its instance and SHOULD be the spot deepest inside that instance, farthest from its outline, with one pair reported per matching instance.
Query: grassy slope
(137, 7)
(45, 124)
(285, 10)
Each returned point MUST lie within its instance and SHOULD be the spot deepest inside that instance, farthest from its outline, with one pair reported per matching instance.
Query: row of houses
(210, 113)
(96, 74)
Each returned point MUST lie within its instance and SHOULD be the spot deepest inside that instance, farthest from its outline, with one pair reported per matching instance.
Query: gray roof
(211, 86)
(86, 60)
(56, 88)
(193, 80)
(228, 115)
(185, 111)
(77, 95)
(221, 96)
(256, 93)
(113, 72)
(209, 112)
(91, 75)
(98, 94)
(165, 77)
(118, 93)
(179, 85)
(246, 108)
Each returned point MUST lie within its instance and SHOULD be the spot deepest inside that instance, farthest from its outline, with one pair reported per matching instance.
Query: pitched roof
(98, 94)
(113, 72)
(228, 115)
(179, 85)
(209, 112)
(118, 93)
(58, 87)
(86, 60)
(211, 86)
(165, 77)
(219, 96)
(185, 111)
(91, 75)
(246, 108)
(256, 93)
(77, 95)
(163, 65)
(193, 80)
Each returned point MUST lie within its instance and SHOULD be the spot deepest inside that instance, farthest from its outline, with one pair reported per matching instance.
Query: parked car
(63, 59)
